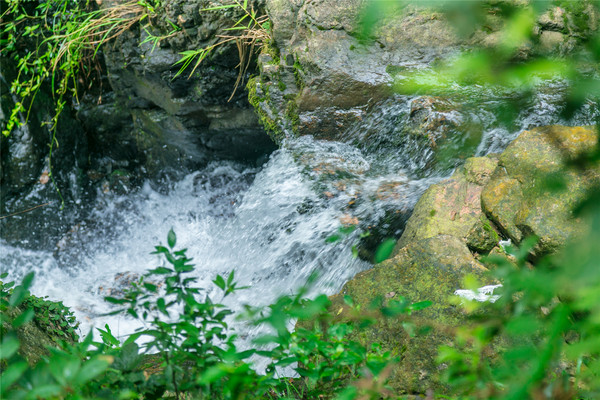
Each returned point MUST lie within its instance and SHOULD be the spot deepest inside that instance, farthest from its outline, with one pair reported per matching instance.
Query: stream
(269, 223)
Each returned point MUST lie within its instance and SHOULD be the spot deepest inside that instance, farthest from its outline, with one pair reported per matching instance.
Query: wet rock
(536, 186)
(433, 117)
(326, 77)
(31, 193)
(322, 75)
(453, 207)
(180, 121)
(427, 270)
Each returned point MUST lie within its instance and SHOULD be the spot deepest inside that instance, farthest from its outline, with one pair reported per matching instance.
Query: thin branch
(23, 211)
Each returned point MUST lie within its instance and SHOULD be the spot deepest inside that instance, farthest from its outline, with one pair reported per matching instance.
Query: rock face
(324, 78)
(323, 73)
(536, 185)
(182, 121)
(512, 195)
(430, 262)
(24, 168)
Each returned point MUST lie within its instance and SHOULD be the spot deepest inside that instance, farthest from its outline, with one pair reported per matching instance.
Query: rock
(427, 270)
(330, 75)
(453, 207)
(44, 331)
(181, 121)
(521, 197)
(327, 75)
(29, 198)
(551, 41)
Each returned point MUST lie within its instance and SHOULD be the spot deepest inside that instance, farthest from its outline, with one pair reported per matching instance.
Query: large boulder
(537, 184)
(531, 188)
(434, 255)
(427, 270)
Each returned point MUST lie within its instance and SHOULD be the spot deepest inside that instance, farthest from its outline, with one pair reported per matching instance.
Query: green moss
(577, 11)
(281, 85)
(426, 270)
(299, 75)
(272, 50)
(273, 129)
(291, 114)
(487, 226)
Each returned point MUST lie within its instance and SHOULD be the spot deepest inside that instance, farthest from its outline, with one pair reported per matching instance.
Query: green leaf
(333, 239)
(150, 287)
(44, 392)
(219, 7)
(161, 271)
(91, 369)
(21, 291)
(346, 230)
(384, 251)
(114, 300)
(348, 300)
(23, 318)
(171, 238)
(419, 305)
(161, 304)
(11, 375)
(160, 249)
(235, 28)
(212, 375)
(108, 337)
(9, 346)
(348, 393)
(220, 282)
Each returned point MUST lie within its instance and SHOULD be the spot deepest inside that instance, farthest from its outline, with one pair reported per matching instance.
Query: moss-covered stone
(427, 270)
(453, 207)
(52, 325)
(536, 186)
(258, 96)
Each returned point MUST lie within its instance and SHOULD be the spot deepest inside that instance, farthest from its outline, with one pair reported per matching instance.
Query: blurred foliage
(512, 64)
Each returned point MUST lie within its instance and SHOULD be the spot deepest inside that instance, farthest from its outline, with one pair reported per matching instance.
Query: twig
(23, 211)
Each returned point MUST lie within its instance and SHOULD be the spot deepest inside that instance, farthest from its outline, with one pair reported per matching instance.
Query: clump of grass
(248, 32)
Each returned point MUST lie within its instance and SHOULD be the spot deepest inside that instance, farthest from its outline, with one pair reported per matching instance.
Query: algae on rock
(537, 184)
(427, 270)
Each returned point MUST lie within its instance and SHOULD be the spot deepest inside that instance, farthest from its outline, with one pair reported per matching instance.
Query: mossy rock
(52, 326)
(536, 185)
(426, 270)
(453, 207)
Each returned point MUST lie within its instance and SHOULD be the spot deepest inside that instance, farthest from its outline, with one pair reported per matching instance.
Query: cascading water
(269, 224)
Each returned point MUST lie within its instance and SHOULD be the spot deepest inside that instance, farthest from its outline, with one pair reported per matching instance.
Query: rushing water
(269, 224)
